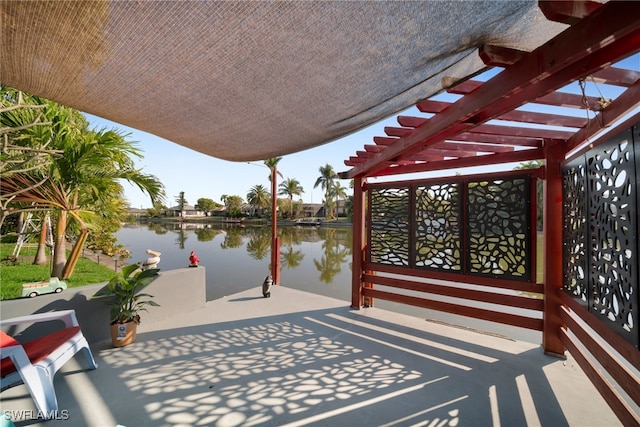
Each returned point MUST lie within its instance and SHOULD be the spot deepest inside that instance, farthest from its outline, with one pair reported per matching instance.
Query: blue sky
(199, 175)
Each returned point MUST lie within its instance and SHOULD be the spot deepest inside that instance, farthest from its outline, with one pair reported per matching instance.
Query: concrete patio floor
(300, 359)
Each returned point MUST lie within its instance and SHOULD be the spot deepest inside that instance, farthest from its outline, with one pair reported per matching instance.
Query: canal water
(237, 258)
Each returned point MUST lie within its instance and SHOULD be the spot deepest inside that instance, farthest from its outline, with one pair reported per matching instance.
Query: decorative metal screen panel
(574, 218)
(499, 227)
(389, 226)
(480, 228)
(438, 240)
(604, 242)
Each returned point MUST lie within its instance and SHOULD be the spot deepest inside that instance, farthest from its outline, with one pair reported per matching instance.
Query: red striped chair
(34, 363)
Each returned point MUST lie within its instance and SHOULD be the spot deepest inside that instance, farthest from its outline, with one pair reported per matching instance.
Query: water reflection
(207, 234)
(238, 258)
(315, 260)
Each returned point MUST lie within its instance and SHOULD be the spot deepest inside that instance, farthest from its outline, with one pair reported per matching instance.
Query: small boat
(309, 222)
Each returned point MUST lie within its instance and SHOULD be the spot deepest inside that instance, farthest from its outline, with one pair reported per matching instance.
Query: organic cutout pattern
(600, 234)
(389, 231)
(437, 233)
(611, 198)
(498, 220)
(492, 240)
(574, 232)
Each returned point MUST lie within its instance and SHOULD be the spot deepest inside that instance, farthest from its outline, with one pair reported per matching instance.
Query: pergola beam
(556, 99)
(485, 148)
(499, 56)
(497, 139)
(568, 12)
(526, 132)
(494, 159)
(609, 34)
(514, 116)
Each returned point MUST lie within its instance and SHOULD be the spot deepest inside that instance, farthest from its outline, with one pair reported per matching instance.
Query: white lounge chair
(34, 363)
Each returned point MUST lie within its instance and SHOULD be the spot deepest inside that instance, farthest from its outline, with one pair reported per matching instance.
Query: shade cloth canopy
(248, 81)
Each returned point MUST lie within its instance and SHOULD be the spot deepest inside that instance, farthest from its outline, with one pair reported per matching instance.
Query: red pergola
(458, 133)
(495, 122)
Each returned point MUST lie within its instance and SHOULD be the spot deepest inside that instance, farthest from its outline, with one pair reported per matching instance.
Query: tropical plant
(290, 187)
(19, 112)
(233, 205)
(181, 201)
(122, 293)
(258, 197)
(83, 183)
(89, 173)
(336, 193)
(326, 182)
(272, 164)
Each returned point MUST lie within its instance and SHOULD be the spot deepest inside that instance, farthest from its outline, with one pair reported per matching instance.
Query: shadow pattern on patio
(329, 368)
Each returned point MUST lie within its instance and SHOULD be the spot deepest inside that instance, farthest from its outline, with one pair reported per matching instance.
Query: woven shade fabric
(246, 80)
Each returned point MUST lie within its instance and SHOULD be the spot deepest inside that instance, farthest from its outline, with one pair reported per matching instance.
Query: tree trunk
(59, 249)
(75, 254)
(41, 254)
(3, 215)
(20, 222)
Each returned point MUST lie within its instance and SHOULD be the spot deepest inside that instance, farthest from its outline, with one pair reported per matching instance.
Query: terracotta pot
(123, 333)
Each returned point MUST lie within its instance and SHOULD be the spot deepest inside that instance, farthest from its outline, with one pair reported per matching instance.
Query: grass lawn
(14, 274)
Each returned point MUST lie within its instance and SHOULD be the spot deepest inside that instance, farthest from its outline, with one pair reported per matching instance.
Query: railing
(479, 290)
(610, 362)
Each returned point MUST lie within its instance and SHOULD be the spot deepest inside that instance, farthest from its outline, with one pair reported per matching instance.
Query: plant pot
(123, 333)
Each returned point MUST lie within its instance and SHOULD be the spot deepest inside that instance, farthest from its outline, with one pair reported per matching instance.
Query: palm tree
(326, 181)
(291, 187)
(20, 154)
(259, 197)
(83, 182)
(272, 164)
(337, 192)
(181, 201)
(91, 175)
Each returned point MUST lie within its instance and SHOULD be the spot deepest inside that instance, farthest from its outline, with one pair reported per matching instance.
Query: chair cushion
(37, 349)
(6, 340)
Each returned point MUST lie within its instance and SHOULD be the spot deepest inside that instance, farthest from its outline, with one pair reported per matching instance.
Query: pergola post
(552, 237)
(359, 242)
(275, 240)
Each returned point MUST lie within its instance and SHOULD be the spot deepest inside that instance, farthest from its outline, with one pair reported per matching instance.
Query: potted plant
(122, 293)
